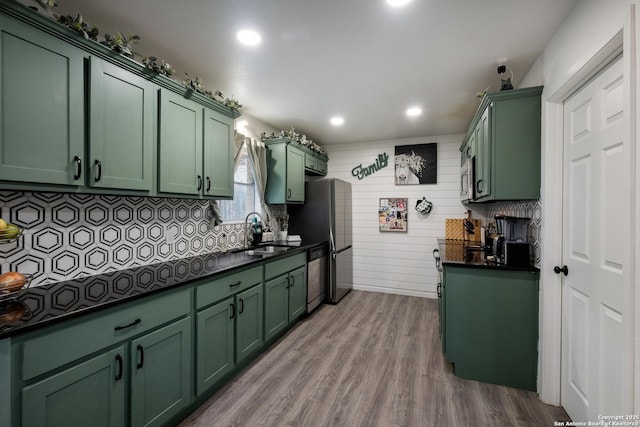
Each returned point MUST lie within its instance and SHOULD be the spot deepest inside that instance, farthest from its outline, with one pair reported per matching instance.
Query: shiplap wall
(400, 263)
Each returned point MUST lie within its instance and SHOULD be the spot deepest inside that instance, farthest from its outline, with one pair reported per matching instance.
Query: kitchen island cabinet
(489, 318)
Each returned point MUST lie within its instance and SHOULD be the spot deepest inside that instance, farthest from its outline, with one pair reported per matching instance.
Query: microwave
(466, 180)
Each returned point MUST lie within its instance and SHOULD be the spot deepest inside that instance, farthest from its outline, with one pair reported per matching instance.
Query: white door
(596, 250)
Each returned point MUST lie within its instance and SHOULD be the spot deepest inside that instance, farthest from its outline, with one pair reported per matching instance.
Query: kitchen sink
(267, 250)
(262, 250)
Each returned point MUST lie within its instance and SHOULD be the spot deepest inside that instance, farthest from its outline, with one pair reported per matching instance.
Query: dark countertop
(461, 253)
(47, 304)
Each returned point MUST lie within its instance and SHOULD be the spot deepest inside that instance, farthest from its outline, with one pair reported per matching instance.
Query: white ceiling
(360, 59)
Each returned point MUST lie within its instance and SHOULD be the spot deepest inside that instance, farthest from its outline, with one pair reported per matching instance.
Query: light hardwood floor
(372, 360)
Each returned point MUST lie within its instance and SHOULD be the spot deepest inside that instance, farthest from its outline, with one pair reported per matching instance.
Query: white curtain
(238, 141)
(257, 153)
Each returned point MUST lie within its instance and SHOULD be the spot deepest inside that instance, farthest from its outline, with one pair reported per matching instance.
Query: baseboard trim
(384, 290)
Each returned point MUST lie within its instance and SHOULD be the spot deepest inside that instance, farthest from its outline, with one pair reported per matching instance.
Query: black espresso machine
(511, 246)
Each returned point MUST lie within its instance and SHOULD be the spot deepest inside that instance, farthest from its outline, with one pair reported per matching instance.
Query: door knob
(564, 270)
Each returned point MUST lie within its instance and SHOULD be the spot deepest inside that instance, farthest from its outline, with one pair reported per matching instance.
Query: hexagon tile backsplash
(77, 235)
(523, 209)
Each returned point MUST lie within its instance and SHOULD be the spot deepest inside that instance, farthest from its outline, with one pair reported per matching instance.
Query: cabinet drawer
(53, 347)
(217, 289)
(282, 266)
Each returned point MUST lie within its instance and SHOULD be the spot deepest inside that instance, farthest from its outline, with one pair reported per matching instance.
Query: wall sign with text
(361, 171)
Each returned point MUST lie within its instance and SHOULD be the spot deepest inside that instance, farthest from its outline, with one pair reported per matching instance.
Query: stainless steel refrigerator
(326, 216)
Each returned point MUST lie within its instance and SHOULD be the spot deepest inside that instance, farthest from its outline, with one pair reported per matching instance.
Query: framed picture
(392, 215)
(416, 164)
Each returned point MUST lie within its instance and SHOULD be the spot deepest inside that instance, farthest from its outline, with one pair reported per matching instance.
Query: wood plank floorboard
(372, 360)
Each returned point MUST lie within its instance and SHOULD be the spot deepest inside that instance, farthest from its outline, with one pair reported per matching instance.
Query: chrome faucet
(246, 231)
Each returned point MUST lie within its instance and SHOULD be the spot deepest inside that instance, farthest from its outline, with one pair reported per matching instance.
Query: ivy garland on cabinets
(122, 44)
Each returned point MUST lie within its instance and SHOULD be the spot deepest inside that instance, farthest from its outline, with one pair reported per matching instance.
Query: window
(245, 198)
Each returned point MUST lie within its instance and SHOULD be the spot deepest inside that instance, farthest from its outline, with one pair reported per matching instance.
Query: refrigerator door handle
(333, 243)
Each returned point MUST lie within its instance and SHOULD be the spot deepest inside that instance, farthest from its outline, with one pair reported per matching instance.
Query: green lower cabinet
(90, 393)
(214, 345)
(276, 302)
(297, 293)
(491, 325)
(161, 374)
(285, 300)
(249, 322)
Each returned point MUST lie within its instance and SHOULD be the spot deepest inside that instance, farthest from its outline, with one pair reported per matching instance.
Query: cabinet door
(218, 154)
(276, 305)
(297, 293)
(41, 107)
(121, 128)
(161, 374)
(249, 323)
(295, 175)
(214, 343)
(90, 393)
(483, 157)
(180, 145)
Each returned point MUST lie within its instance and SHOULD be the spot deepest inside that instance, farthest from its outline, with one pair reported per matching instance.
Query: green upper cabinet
(161, 374)
(285, 176)
(504, 140)
(120, 128)
(180, 145)
(89, 393)
(195, 149)
(482, 179)
(218, 154)
(41, 107)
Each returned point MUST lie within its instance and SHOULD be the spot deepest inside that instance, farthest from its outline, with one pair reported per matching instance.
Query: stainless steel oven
(466, 180)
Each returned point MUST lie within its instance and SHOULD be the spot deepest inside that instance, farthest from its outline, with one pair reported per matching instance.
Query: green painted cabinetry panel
(249, 322)
(285, 293)
(295, 175)
(214, 344)
(218, 154)
(297, 293)
(491, 325)
(217, 289)
(51, 348)
(90, 393)
(482, 153)
(285, 175)
(276, 306)
(121, 111)
(161, 374)
(180, 145)
(41, 107)
(504, 138)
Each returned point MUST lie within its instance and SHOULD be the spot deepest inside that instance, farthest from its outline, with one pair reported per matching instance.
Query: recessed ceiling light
(249, 37)
(414, 111)
(398, 3)
(336, 121)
